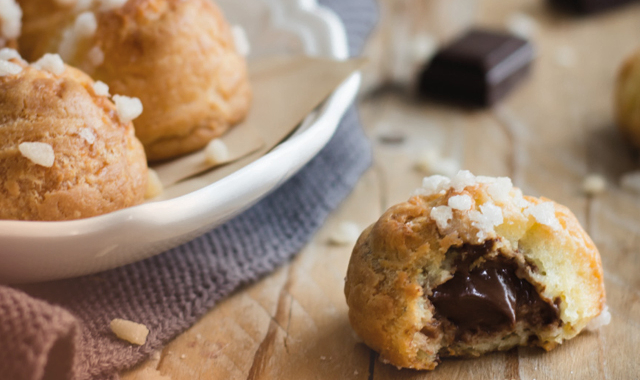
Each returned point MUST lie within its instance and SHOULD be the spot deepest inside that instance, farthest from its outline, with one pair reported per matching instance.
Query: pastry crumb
(241, 41)
(423, 47)
(51, 63)
(128, 108)
(183, 356)
(566, 57)
(631, 182)
(346, 233)
(430, 162)
(216, 152)
(154, 185)
(522, 25)
(39, 153)
(132, 332)
(392, 138)
(594, 184)
(603, 319)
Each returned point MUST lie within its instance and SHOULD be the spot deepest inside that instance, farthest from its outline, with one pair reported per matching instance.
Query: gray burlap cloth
(60, 330)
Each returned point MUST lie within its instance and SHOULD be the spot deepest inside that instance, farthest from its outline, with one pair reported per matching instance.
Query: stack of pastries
(174, 66)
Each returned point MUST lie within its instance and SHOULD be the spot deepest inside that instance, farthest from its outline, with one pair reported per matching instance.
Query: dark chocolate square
(479, 68)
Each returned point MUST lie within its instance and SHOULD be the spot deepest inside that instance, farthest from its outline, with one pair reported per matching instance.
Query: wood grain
(547, 136)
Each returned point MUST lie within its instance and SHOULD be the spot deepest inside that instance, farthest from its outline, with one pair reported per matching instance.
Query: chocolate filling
(490, 297)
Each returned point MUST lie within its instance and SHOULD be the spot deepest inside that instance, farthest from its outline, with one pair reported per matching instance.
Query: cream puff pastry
(467, 266)
(66, 150)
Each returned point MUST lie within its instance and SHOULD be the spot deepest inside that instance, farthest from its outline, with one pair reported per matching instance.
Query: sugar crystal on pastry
(88, 135)
(128, 108)
(95, 56)
(8, 53)
(51, 63)
(9, 68)
(86, 24)
(433, 185)
(68, 44)
(463, 179)
(427, 281)
(10, 19)
(460, 202)
(497, 188)
(39, 153)
(544, 213)
(442, 215)
(101, 88)
(83, 28)
(486, 219)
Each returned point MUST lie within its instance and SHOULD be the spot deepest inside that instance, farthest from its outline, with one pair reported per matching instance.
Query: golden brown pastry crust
(178, 57)
(87, 178)
(399, 261)
(627, 98)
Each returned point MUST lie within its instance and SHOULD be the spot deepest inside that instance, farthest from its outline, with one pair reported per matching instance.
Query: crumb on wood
(345, 233)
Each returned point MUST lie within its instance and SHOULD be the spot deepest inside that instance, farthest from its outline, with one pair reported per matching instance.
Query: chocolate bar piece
(478, 69)
(588, 6)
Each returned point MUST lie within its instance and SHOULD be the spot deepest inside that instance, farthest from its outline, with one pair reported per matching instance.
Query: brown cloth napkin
(60, 330)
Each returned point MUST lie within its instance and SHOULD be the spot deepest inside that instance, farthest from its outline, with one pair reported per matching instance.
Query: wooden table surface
(547, 136)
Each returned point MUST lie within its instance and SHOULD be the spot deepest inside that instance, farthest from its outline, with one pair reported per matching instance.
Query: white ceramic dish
(39, 251)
